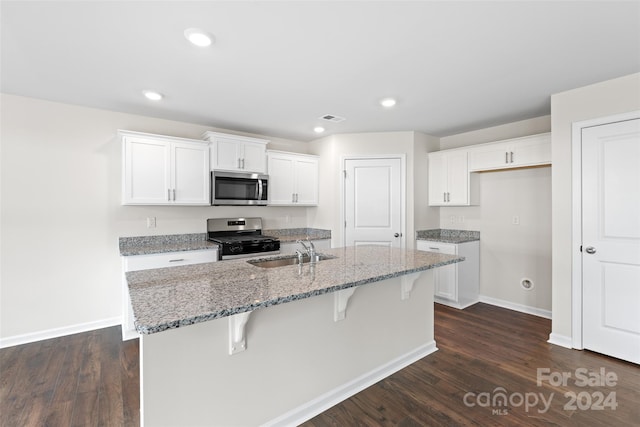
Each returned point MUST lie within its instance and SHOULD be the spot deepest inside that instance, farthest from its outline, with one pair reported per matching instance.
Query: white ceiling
(276, 67)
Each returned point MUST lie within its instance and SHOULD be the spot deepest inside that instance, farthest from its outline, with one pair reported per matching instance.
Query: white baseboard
(320, 404)
(58, 332)
(561, 340)
(516, 307)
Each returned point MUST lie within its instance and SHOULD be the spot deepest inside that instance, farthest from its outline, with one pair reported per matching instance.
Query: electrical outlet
(453, 219)
(515, 220)
(151, 222)
(461, 219)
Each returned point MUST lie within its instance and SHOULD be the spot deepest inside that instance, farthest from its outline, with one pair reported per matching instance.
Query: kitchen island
(231, 343)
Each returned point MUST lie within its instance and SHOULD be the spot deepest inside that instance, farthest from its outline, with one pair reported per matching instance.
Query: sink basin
(282, 261)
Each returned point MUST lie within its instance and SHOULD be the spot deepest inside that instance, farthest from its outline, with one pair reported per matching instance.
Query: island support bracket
(406, 284)
(237, 336)
(340, 300)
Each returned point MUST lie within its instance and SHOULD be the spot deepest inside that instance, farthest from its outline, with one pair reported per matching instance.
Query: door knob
(397, 235)
(590, 250)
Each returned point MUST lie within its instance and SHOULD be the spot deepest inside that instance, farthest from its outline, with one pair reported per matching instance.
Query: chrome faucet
(311, 250)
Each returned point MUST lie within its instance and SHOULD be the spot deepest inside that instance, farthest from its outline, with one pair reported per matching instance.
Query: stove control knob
(235, 248)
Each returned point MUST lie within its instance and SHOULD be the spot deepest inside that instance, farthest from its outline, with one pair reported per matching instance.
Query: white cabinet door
(532, 151)
(488, 157)
(445, 278)
(457, 178)
(293, 179)
(448, 178)
(281, 185)
(437, 179)
(161, 170)
(306, 179)
(254, 157)
(226, 155)
(190, 180)
(146, 172)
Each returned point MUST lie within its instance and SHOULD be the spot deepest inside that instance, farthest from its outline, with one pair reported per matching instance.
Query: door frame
(576, 231)
(403, 191)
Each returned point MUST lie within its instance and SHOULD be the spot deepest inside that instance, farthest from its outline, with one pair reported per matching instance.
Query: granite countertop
(448, 236)
(173, 297)
(287, 235)
(146, 245)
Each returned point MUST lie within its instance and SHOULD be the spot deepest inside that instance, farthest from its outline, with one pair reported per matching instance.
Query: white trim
(403, 190)
(58, 332)
(325, 401)
(516, 307)
(561, 340)
(576, 217)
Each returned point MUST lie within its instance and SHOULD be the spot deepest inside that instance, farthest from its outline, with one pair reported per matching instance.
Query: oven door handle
(259, 190)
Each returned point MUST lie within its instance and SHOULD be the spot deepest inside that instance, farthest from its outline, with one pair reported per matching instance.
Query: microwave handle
(259, 190)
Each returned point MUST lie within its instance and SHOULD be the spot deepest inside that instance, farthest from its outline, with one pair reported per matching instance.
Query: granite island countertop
(173, 297)
(448, 236)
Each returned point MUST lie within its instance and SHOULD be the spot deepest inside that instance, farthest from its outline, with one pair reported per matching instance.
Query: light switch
(151, 222)
(515, 220)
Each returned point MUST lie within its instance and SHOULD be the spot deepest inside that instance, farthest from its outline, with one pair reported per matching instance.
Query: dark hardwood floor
(88, 379)
(91, 379)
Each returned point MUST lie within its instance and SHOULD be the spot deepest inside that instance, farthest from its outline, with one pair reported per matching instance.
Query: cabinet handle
(293, 197)
(506, 157)
(168, 194)
(448, 196)
(176, 260)
(174, 194)
(242, 163)
(444, 197)
(435, 249)
(239, 167)
(296, 197)
(512, 157)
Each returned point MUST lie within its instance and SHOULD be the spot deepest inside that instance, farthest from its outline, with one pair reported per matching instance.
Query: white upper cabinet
(532, 150)
(237, 153)
(293, 179)
(162, 170)
(448, 178)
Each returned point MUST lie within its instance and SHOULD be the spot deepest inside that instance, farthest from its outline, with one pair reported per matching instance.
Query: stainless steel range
(241, 237)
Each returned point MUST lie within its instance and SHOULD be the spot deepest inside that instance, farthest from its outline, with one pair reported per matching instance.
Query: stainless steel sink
(282, 261)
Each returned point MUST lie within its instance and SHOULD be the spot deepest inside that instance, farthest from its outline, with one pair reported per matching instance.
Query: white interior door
(373, 202)
(611, 239)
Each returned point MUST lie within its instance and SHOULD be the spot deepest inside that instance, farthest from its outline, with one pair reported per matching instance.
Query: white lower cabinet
(290, 247)
(456, 285)
(147, 262)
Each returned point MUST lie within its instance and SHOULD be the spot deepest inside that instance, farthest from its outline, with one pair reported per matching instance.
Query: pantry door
(374, 201)
(611, 239)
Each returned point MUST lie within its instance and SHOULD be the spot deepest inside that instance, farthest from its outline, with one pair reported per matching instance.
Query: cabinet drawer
(430, 246)
(169, 259)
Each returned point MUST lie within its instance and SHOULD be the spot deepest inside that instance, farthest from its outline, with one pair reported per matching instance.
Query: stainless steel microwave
(239, 188)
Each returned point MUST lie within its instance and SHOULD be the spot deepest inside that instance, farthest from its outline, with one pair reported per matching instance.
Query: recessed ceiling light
(152, 95)
(388, 102)
(318, 129)
(198, 37)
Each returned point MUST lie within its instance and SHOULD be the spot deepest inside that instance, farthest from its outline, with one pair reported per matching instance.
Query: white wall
(61, 215)
(333, 149)
(599, 100)
(508, 252)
